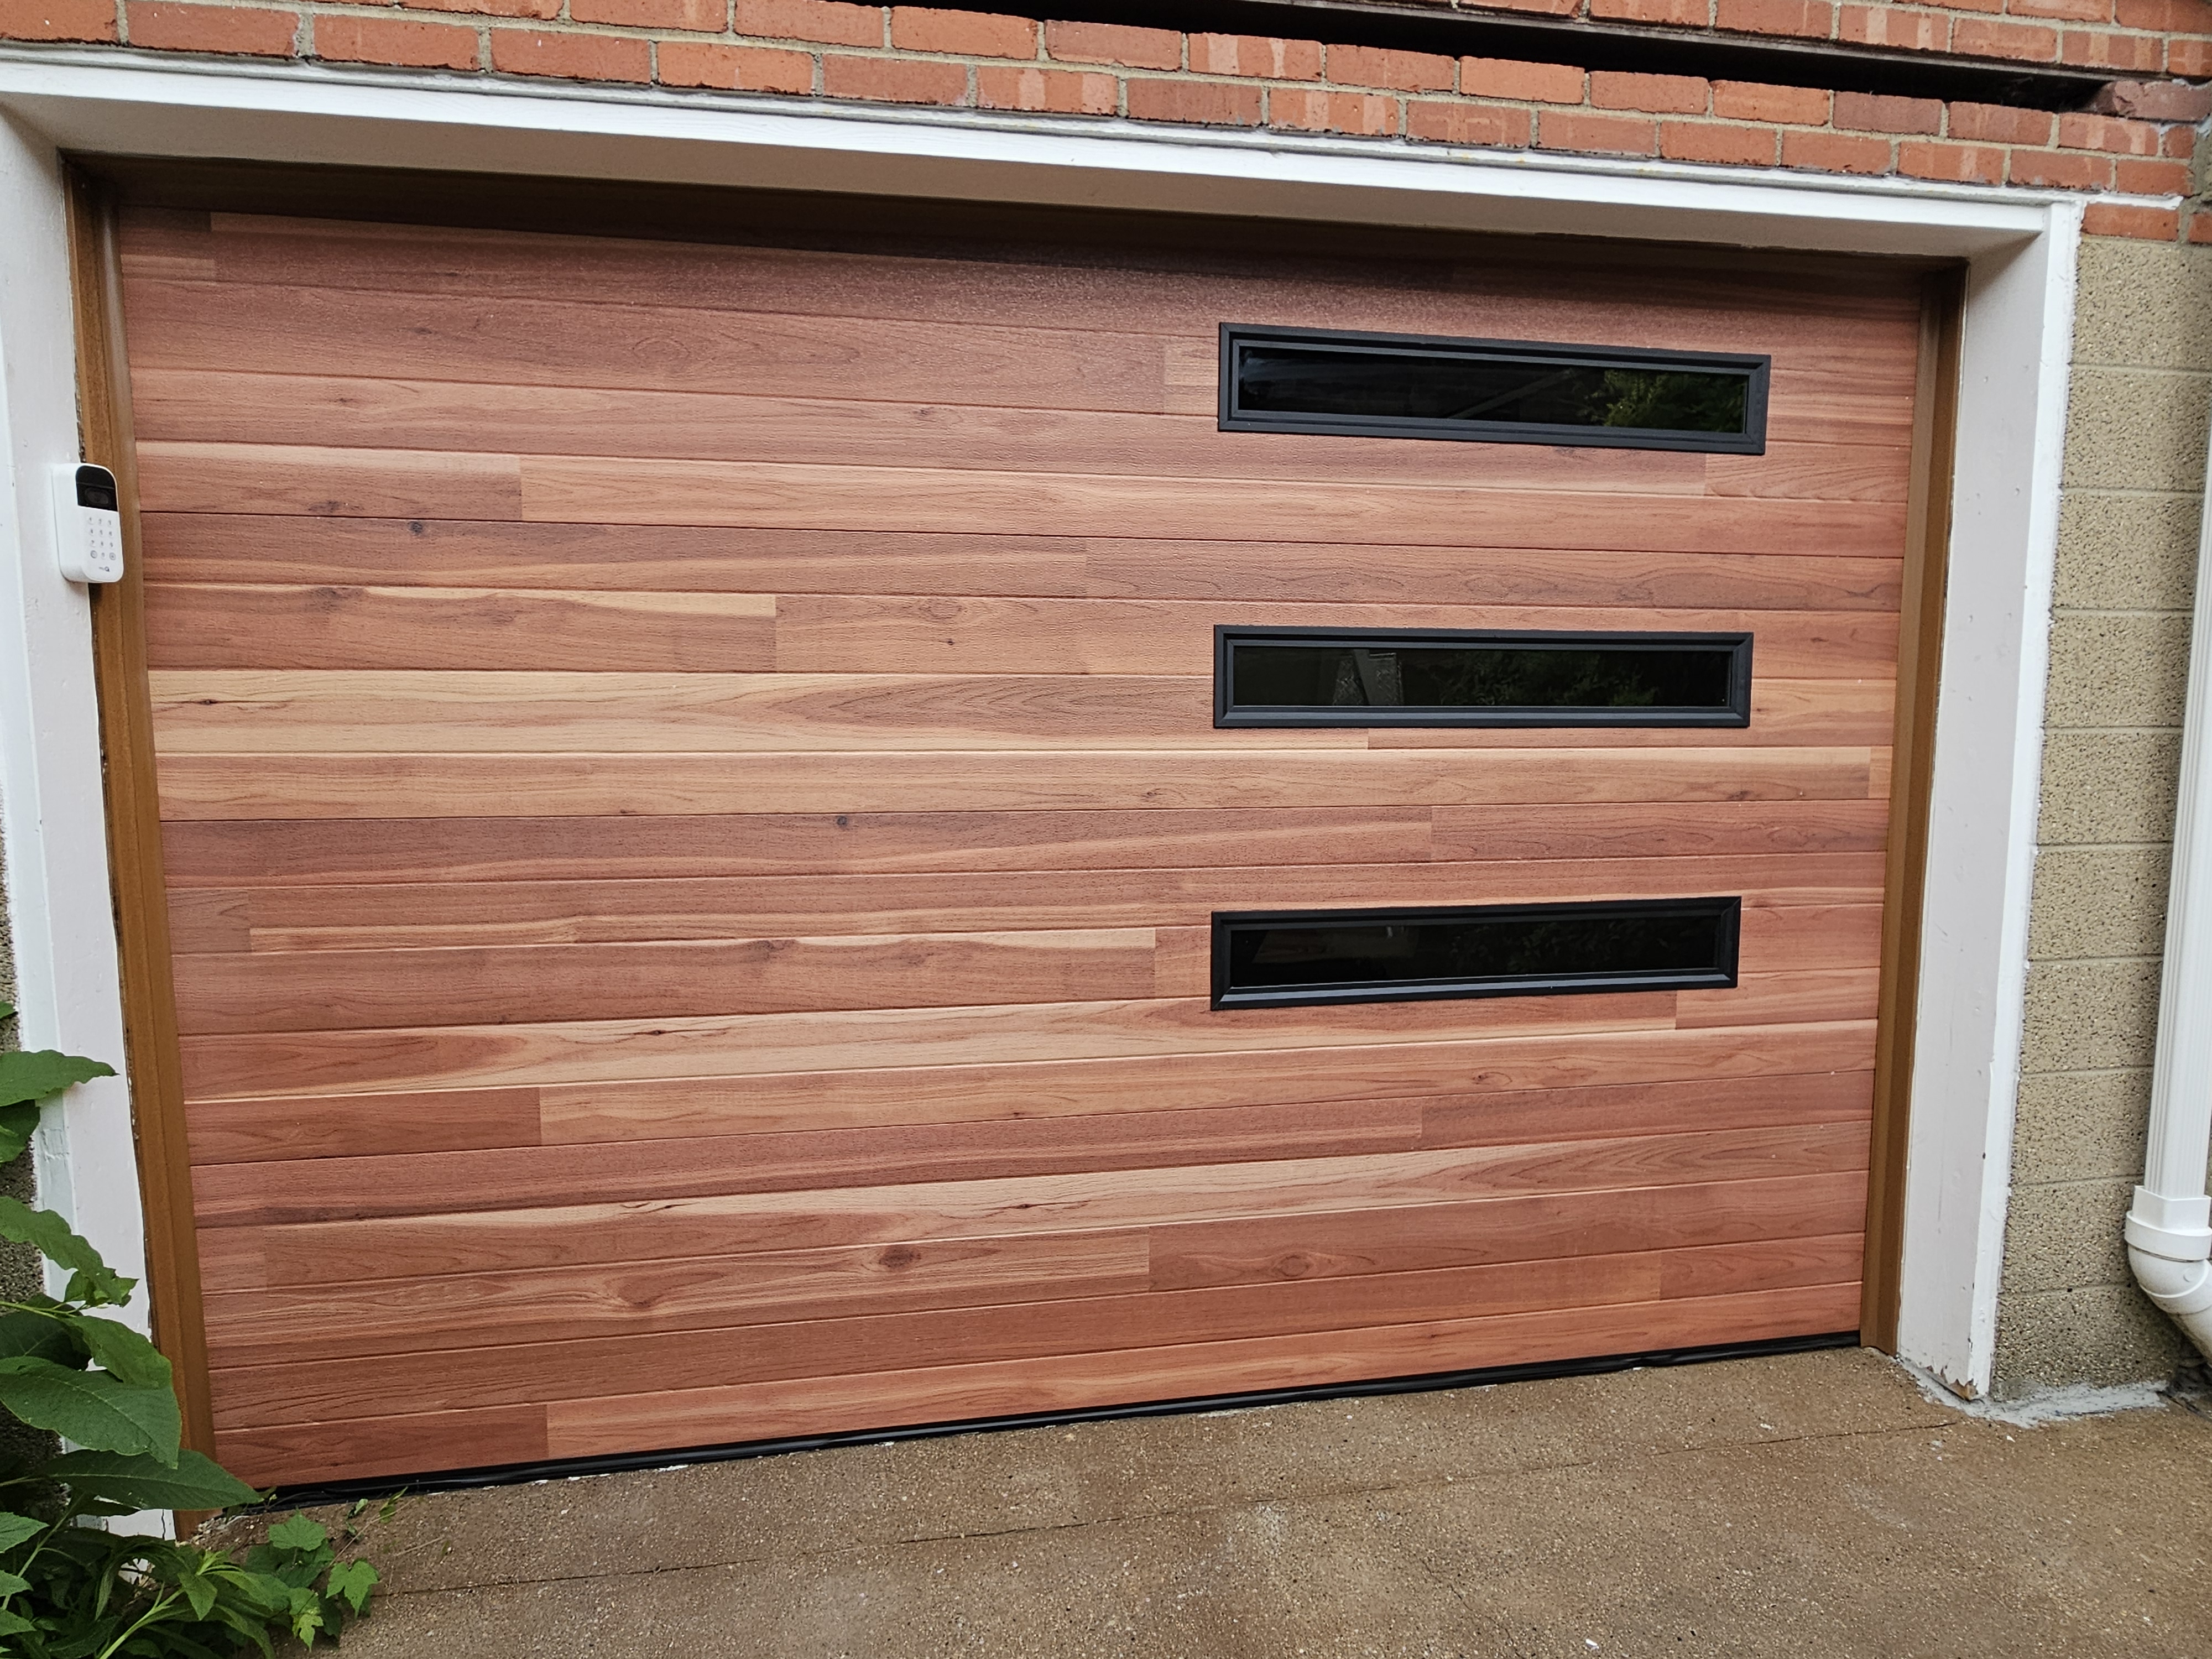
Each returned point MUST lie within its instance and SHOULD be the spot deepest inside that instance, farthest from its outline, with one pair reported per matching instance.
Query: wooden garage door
(692, 810)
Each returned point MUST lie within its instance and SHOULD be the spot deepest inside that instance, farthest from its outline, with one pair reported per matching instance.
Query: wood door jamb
(1920, 653)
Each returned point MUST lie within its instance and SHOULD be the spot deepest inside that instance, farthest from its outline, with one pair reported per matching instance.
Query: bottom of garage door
(310, 1491)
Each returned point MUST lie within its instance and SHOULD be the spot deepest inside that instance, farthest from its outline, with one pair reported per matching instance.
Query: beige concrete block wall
(2127, 554)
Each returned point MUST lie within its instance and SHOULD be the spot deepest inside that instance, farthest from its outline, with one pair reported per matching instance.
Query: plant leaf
(298, 1533)
(353, 1580)
(92, 1408)
(120, 1350)
(34, 1074)
(197, 1482)
(51, 1236)
(48, 1338)
(199, 1590)
(13, 1623)
(16, 1529)
(19, 1122)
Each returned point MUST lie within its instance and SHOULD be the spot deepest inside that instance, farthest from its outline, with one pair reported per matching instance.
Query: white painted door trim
(2020, 246)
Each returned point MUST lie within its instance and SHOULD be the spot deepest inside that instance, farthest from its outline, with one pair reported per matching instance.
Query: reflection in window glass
(1474, 678)
(1494, 951)
(1384, 385)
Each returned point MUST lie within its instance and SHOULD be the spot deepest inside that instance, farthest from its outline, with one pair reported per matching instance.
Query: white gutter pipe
(2169, 1230)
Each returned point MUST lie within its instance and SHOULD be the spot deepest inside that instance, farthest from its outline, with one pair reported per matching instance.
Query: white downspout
(2169, 1229)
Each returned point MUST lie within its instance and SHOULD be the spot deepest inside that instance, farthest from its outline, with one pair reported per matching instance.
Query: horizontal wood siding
(691, 810)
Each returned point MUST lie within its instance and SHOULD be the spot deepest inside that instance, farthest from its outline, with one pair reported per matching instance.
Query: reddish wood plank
(464, 1310)
(457, 912)
(1519, 289)
(493, 1241)
(284, 409)
(274, 711)
(581, 1368)
(703, 1416)
(1354, 1243)
(206, 626)
(753, 1044)
(356, 990)
(1507, 1102)
(269, 549)
(299, 1322)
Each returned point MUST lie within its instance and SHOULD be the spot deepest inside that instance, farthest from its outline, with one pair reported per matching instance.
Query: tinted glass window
(1371, 678)
(1380, 385)
(1525, 949)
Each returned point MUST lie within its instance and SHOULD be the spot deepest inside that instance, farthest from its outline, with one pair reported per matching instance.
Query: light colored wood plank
(356, 990)
(458, 1056)
(493, 1241)
(255, 711)
(255, 548)
(1533, 1089)
(848, 634)
(1502, 832)
(455, 914)
(294, 853)
(351, 1189)
(1804, 995)
(206, 627)
(269, 549)
(490, 785)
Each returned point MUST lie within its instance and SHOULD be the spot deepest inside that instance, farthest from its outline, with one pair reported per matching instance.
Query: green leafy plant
(70, 1590)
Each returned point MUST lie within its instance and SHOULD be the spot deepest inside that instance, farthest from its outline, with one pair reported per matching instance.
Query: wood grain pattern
(216, 854)
(1525, 1089)
(413, 1182)
(352, 990)
(299, 479)
(251, 549)
(734, 1224)
(482, 786)
(709, 1356)
(517, 913)
(757, 1044)
(246, 711)
(451, 416)
(690, 810)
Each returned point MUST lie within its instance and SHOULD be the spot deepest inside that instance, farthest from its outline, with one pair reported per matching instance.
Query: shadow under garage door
(697, 796)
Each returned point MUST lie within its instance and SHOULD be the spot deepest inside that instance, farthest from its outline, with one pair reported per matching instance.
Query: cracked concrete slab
(1811, 1503)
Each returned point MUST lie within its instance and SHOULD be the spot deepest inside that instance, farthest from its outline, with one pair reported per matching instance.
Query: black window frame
(1726, 911)
(1752, 440)
(1226, 714)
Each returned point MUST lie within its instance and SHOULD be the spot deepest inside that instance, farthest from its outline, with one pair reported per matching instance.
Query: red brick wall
(2142, 146)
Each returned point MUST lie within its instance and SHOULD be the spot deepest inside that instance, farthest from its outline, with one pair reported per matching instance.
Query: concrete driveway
(1817, 1505)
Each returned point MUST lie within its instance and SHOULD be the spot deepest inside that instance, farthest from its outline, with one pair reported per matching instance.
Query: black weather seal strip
(570, 1468)
(1412, 26)
(1308, 958)
(1257, 674)
(1495, 373)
